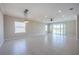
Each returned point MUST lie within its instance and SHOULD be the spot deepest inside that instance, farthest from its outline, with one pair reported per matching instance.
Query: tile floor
(41, 45)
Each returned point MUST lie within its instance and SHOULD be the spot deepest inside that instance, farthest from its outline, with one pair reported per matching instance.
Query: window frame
(15, 26)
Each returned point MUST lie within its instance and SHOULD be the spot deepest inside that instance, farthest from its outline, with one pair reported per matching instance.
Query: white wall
(32, 28)
(71, 28)
(78, 27)
(1, 29)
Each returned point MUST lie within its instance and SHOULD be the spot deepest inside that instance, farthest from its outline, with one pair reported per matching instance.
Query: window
(45, 27)
(19, 27)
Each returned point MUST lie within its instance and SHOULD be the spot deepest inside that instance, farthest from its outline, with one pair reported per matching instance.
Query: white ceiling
(42, 11)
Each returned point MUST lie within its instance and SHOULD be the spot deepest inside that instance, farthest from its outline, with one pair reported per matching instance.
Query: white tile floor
(41, 45)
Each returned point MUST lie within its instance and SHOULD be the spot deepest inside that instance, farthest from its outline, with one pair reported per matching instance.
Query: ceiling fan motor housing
(26, 10)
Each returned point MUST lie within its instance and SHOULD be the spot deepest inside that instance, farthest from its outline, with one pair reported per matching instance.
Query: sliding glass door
(58, 34)
(59, 29)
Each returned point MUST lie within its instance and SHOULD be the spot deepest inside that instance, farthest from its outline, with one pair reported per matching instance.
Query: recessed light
(59, 11)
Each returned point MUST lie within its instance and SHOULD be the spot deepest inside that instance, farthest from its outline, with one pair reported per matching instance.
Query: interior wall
(78, 27)
(32, 28)
(1, 29)
(71, 28)
(49, 28)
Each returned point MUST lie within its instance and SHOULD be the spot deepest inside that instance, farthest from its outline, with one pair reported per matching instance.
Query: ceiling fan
(25, 15)
(51, 19)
